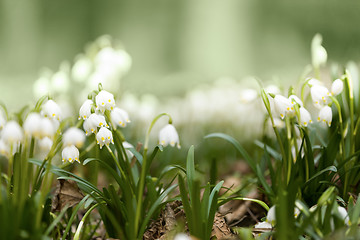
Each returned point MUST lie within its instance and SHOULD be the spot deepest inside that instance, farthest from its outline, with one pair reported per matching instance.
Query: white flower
(319, 95)
(271, 216)
(47, 128)
(81, 69)
(182, 236)
(60, 81)
(51, 110)
(104, 137)
(248, 95)
(73, 136)
(104, 100)
(295, 100)
(305, 117)
(283, 105)
(337, 87)
(263, 225)
(93, 122)
(314, 81)
(45, 145)
(71, 154)
(318, 52)
(325, 115)
(85, 109)
(12, 133)
(344, 215)
(169, 135)
(32, 125)
(120, 117)
(127, 145)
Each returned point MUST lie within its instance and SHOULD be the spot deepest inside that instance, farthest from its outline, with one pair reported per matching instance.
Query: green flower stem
(10, 168)
(117, 163)
(81, 224)
(144, 170)
(351, 106)
(289, 158)
(342, 147)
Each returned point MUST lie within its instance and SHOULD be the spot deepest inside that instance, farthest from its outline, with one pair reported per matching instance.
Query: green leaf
(331, 168)
(270, 150)
(107, 167)
(237, 145)
(155, 206)
(190, 170)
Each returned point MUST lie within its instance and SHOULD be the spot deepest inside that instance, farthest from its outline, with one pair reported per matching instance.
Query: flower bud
(337, 87)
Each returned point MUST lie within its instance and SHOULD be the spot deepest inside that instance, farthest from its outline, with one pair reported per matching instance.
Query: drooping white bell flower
(296, 100)
(51, 110)
(104, 101)
(325, 115)
(120, 117)
(337, 87)
(169, 135)
(318, 52)
(47, 128)
(12, 133)
(71, 154)
(93, 122)
(305, 117)
(104, 137)
(319, 95)
(73, 136)
(283, 105)
(85, 109)
(32, 125)
(344, 215)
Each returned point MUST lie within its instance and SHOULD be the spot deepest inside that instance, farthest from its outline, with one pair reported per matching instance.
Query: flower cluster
(321, 98)
(40, 126)
(320, 95)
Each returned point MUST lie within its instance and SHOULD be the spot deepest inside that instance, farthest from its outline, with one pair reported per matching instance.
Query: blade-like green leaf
(238, 147)
(331, 168)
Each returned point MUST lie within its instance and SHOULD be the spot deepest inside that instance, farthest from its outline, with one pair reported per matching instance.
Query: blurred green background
(174, 45)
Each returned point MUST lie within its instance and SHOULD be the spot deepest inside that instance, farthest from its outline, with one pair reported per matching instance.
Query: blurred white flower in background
(318, 52)
(337, 87)
(74, 136)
